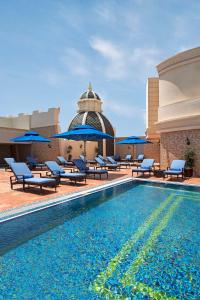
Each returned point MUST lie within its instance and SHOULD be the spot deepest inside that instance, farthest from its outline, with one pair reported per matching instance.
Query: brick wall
(173, 146)
(47, 151)
(152, 150)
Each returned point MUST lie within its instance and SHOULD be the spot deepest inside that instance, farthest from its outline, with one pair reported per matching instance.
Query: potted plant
(189, 157)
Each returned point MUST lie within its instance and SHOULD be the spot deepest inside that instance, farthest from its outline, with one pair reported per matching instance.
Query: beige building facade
(173, 111)
(45, 123)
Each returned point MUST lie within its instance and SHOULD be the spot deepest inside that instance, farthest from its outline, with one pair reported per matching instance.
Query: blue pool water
(133, 241)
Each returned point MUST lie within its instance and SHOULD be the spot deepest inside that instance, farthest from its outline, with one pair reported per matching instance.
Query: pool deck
(16, 198)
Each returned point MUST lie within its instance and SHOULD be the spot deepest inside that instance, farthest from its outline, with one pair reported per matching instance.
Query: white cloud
(113, 55)
(75, 62)
(122, 63)
(106, 48)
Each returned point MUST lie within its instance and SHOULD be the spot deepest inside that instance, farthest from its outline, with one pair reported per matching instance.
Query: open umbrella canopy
(133, 141)
(132, 137)
(30, 136)
(83, 133)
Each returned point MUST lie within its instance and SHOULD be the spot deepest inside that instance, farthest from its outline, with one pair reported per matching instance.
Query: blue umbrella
(30, 136)
(132, 137)
(132, 141)
(83, 133)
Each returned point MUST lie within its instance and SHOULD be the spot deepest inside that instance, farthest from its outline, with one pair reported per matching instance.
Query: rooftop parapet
(178, 59)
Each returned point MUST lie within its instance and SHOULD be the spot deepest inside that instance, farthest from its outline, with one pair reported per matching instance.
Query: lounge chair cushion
(57, 170)
(9, 160)
(146, 166)
(175, 172)
(141, 170)
(39, 180)
(177, 165)
(128, 157)
(33, 162)
(112, 161)
(21, 170)
(72, 175)
(140, 157)
(63, 161)
(176, 168)
(54, 167)
(81, 165)
(103, 164)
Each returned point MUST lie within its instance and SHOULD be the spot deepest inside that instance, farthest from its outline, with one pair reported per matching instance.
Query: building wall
(173, 146)
(149, 150)
(7, 133)
(123, 150)
(46, 123)
(179, 107)
(47, 151)
(152, 150)
(78, 148)
(21, 121)
(152, 103)
(179, 90)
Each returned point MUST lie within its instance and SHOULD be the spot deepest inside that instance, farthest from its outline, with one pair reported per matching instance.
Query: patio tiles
(13, 198)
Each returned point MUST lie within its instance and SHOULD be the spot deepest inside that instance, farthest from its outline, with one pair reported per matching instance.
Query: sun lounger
(102, 158)
(23, 175)
(33, 163)
(117, 157)
(145, 167)
(65, 163)
(139, 158)
(81, 165)
(83, 158)
(120, 164)
(176, 168)
(104, 165)
(127, 158)
(9, 161)
(60, 173)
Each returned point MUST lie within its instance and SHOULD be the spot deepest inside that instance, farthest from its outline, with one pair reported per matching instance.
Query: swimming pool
(131, 241)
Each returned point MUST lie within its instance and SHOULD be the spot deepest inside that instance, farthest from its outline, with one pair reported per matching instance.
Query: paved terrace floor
(14, 198)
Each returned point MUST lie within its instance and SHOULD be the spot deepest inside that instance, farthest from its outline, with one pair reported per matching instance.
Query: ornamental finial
(90, 87)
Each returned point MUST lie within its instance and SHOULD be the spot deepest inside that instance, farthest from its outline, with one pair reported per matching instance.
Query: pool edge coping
(44, 204)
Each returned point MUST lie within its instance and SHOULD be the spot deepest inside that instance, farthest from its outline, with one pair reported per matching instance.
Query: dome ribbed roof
(90, 94)
(95, 119)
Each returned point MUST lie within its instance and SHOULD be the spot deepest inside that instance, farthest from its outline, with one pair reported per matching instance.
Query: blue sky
(50, 50)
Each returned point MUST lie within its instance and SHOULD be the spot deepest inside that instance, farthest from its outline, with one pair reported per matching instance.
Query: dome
(90, 94)
(100, 122)
(90, 113)
(92, 118)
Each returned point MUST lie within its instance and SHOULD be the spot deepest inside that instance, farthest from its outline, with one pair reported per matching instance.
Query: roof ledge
(178, 59)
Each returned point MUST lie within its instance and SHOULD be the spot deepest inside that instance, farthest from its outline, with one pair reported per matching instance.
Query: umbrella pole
(84, 148)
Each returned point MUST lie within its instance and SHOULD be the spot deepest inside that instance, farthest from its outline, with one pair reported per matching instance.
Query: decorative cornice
(179, 59)
(178, 124)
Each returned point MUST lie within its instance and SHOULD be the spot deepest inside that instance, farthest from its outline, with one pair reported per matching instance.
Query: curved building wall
(179, 91)
(179, 107)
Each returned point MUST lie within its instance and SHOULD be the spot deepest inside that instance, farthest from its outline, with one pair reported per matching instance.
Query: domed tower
(90, 113)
